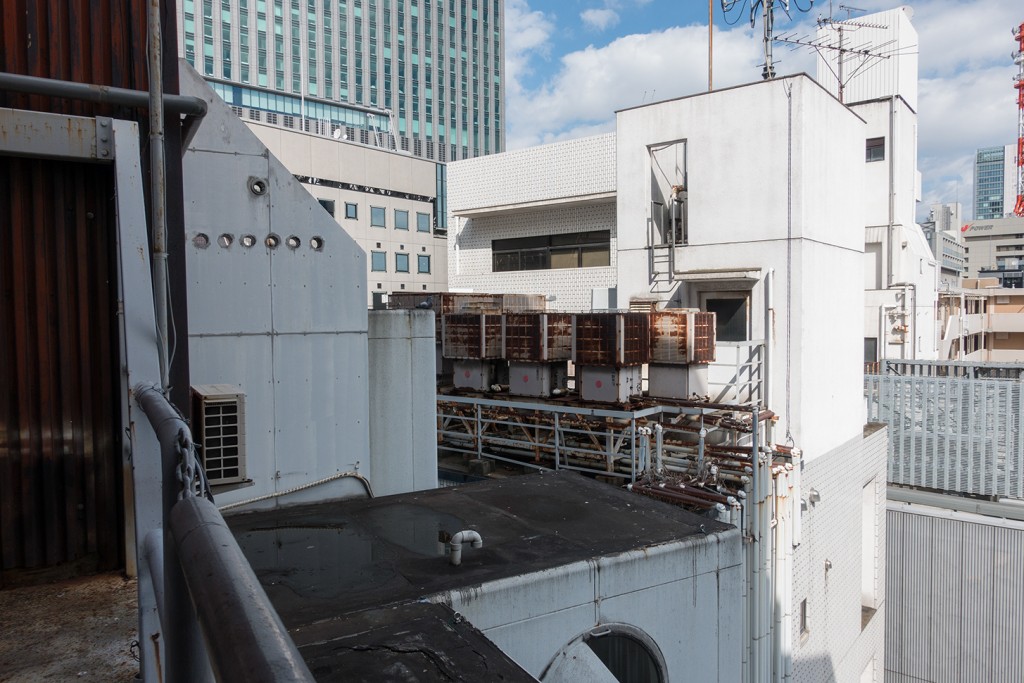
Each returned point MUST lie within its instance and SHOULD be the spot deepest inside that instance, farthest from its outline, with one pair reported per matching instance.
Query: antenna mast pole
(1018, 59)
(768, 17)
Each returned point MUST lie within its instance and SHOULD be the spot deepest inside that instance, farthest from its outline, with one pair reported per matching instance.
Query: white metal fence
(955, 434)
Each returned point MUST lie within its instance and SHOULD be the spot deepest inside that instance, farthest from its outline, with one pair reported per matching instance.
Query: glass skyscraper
(421, 75)
(994, 182)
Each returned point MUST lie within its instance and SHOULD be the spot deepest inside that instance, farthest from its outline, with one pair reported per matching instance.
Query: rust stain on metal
(614, 339)
(60, 490)
(669, 336)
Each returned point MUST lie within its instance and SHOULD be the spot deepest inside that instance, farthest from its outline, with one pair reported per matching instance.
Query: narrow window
(351, 210)
(401, 220)
(875, 149)
(805, 623)
(423, 263)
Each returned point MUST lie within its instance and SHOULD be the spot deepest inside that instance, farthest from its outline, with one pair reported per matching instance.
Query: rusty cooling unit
(682, 344)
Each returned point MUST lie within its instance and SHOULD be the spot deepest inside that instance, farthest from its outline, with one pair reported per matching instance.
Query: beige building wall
(374, 181)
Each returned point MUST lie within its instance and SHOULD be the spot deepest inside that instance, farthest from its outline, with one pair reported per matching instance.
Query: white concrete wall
(739, 220)
(347, 162)
(899, 255)
(288, 326)
(685, 595)
(895, 121)
(403, 423)
(836, 647)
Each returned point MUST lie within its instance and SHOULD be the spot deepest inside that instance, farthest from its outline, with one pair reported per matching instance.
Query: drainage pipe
(158, 188)
(465, 536)
(245, 638)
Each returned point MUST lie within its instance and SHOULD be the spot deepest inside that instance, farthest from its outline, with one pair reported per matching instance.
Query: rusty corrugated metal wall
(61, 497)
(60, 494)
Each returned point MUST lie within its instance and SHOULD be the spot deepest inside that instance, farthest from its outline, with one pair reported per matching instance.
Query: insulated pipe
(659, 444)
(456, 544)
(104, 94)
(245, 638)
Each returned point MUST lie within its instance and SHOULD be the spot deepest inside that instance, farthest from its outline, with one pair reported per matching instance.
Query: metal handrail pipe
(153, 556)
(244, 635)
(105, 94)
(184, 658)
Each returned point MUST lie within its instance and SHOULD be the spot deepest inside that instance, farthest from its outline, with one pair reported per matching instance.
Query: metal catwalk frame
(727, 445)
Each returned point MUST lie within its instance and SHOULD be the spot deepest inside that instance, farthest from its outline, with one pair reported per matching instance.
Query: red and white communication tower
(1018, 59)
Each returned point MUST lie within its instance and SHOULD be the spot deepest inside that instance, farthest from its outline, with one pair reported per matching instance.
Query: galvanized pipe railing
(34, 85)
(244, 637)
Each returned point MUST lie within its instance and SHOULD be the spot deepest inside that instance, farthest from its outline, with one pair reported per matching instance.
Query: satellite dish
(336, 134)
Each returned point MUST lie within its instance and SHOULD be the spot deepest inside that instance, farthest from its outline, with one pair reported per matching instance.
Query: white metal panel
(955, 598)
(402, 401)
(228, 286)
(320, 408)
(313, 291)
(243, 361)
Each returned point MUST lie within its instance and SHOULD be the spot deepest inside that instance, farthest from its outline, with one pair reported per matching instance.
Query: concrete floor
(77, 630)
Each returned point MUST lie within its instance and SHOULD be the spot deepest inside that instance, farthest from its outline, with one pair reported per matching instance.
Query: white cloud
(599, 19)
(527, 37)
(966, 96)
(594, 82)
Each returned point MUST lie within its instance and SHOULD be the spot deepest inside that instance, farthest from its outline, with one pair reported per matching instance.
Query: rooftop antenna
(766, 8)
(852, 58)
(1018, 59)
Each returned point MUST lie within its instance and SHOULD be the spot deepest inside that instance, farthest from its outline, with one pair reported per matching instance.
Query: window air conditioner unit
(218, 419)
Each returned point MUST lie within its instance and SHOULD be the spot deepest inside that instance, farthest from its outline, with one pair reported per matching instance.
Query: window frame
(551, 252)
(874, 150)
(422, 222)
(351, 211)
(420, 259)
(398, 268)
(378, 212)
(404, 213)
(383, 260)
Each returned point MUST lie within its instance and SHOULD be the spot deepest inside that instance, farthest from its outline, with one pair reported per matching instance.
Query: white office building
(391, 204)
(649, 217)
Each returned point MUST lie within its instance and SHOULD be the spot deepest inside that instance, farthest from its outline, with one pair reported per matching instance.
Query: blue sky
(571, 63)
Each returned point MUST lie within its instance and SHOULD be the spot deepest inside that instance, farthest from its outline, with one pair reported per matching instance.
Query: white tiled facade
(573, 168)
(835, 647)
(529, 185)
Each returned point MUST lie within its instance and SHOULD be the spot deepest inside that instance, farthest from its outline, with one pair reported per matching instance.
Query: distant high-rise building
(946, 217)
(427, 72)
(995, 178)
